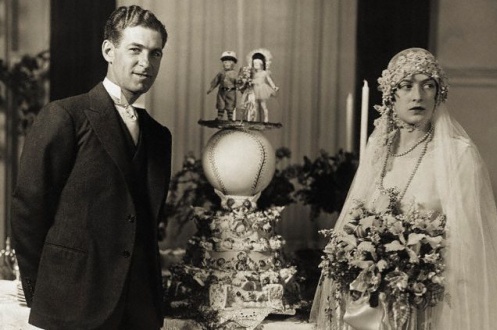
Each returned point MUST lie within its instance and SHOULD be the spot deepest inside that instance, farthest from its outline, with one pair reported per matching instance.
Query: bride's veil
(465, 191)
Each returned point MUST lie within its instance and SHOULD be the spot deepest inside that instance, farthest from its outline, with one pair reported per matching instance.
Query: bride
(418, 150)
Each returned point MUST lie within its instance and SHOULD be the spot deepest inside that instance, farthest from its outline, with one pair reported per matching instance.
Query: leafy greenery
(188, 188)
(325, 182)
(321, 183)
(27, 81)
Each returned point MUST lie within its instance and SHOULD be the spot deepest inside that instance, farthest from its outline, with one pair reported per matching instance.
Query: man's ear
(108, 51)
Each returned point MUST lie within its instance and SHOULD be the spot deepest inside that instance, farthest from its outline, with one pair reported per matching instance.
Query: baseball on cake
(239, 162)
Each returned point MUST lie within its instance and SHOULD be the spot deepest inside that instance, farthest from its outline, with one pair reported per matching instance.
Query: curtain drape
(313, 48)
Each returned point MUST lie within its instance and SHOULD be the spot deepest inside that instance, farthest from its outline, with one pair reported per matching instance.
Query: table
(14, 315)
(288, 324)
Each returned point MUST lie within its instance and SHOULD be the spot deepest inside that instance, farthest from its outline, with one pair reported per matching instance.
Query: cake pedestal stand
(288, 324)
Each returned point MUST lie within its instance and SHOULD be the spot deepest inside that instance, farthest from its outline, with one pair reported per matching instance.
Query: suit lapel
(103, 118)
(158, 162)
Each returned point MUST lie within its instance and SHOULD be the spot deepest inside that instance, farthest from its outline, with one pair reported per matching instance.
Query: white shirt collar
(115, 91)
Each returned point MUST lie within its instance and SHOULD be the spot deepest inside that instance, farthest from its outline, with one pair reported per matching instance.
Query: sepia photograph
(248, 164)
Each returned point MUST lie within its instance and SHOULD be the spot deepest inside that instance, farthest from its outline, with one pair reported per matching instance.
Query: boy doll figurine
(226, 80)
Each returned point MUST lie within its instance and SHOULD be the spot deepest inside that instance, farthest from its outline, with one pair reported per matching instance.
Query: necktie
(130, 118)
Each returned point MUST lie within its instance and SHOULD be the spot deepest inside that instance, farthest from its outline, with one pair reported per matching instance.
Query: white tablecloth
(14, 316)
(176, 324)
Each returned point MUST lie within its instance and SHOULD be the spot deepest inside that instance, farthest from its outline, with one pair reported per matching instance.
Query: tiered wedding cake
(239, 255)
(234, 271)
(234, 264)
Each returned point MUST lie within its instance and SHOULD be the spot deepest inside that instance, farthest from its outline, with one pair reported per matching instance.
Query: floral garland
(233, 262)
(397, 257)
(242, 230)
(242, 221)
(206, 277)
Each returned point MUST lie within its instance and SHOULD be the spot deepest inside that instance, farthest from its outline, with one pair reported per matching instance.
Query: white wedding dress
(451, 179)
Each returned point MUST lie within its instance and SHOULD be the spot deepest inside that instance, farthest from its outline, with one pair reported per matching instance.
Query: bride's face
(414, 99)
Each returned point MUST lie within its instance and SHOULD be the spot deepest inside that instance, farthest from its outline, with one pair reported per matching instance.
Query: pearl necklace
(411, 148)
(383, 190)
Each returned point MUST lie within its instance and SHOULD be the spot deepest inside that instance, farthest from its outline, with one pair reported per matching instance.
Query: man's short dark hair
(124, 17)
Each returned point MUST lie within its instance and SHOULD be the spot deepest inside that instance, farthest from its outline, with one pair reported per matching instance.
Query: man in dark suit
(92, 182)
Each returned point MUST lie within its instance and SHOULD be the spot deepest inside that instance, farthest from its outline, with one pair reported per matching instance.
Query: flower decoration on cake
(235, 258)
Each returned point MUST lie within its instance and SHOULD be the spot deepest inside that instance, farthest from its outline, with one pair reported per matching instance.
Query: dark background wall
(77, 66)
(385, 27)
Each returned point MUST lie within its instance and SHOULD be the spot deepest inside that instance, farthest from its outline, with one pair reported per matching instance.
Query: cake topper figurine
(226, 80)
(256, 85)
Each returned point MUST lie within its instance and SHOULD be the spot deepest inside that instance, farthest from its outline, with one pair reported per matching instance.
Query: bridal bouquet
(390, 257)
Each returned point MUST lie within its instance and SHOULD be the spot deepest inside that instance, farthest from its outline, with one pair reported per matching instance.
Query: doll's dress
(262, 90)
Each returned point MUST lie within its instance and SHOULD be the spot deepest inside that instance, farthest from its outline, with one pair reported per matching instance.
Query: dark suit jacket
(73, 211)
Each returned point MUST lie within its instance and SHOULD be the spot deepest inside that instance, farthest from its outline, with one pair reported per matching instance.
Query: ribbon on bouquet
(361, 316)
(249, 105)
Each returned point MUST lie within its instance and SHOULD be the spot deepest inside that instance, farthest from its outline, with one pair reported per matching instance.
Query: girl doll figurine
(262, 85)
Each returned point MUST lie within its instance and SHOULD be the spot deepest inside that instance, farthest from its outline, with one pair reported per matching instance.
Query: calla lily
(436, 225)
(397, 228)
(349, 241)
(398, 280)
(363, 264)
(368, 279)
(413, 241)
(367, 222)
(433, 241)
(368, 247)
(414, 238)
(381, 265)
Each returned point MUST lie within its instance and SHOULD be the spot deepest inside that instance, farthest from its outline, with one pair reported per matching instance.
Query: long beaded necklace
(381, 187)
(400, 154)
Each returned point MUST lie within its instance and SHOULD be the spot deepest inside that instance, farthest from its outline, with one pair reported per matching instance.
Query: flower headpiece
(407, 63)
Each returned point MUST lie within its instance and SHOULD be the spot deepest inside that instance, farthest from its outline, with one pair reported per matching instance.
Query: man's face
(134, 63)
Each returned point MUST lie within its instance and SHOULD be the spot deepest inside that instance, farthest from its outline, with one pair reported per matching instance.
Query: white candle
(364, 118)
(349, 124)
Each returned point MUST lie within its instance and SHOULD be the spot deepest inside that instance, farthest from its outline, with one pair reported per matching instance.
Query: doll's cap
(229, 55)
